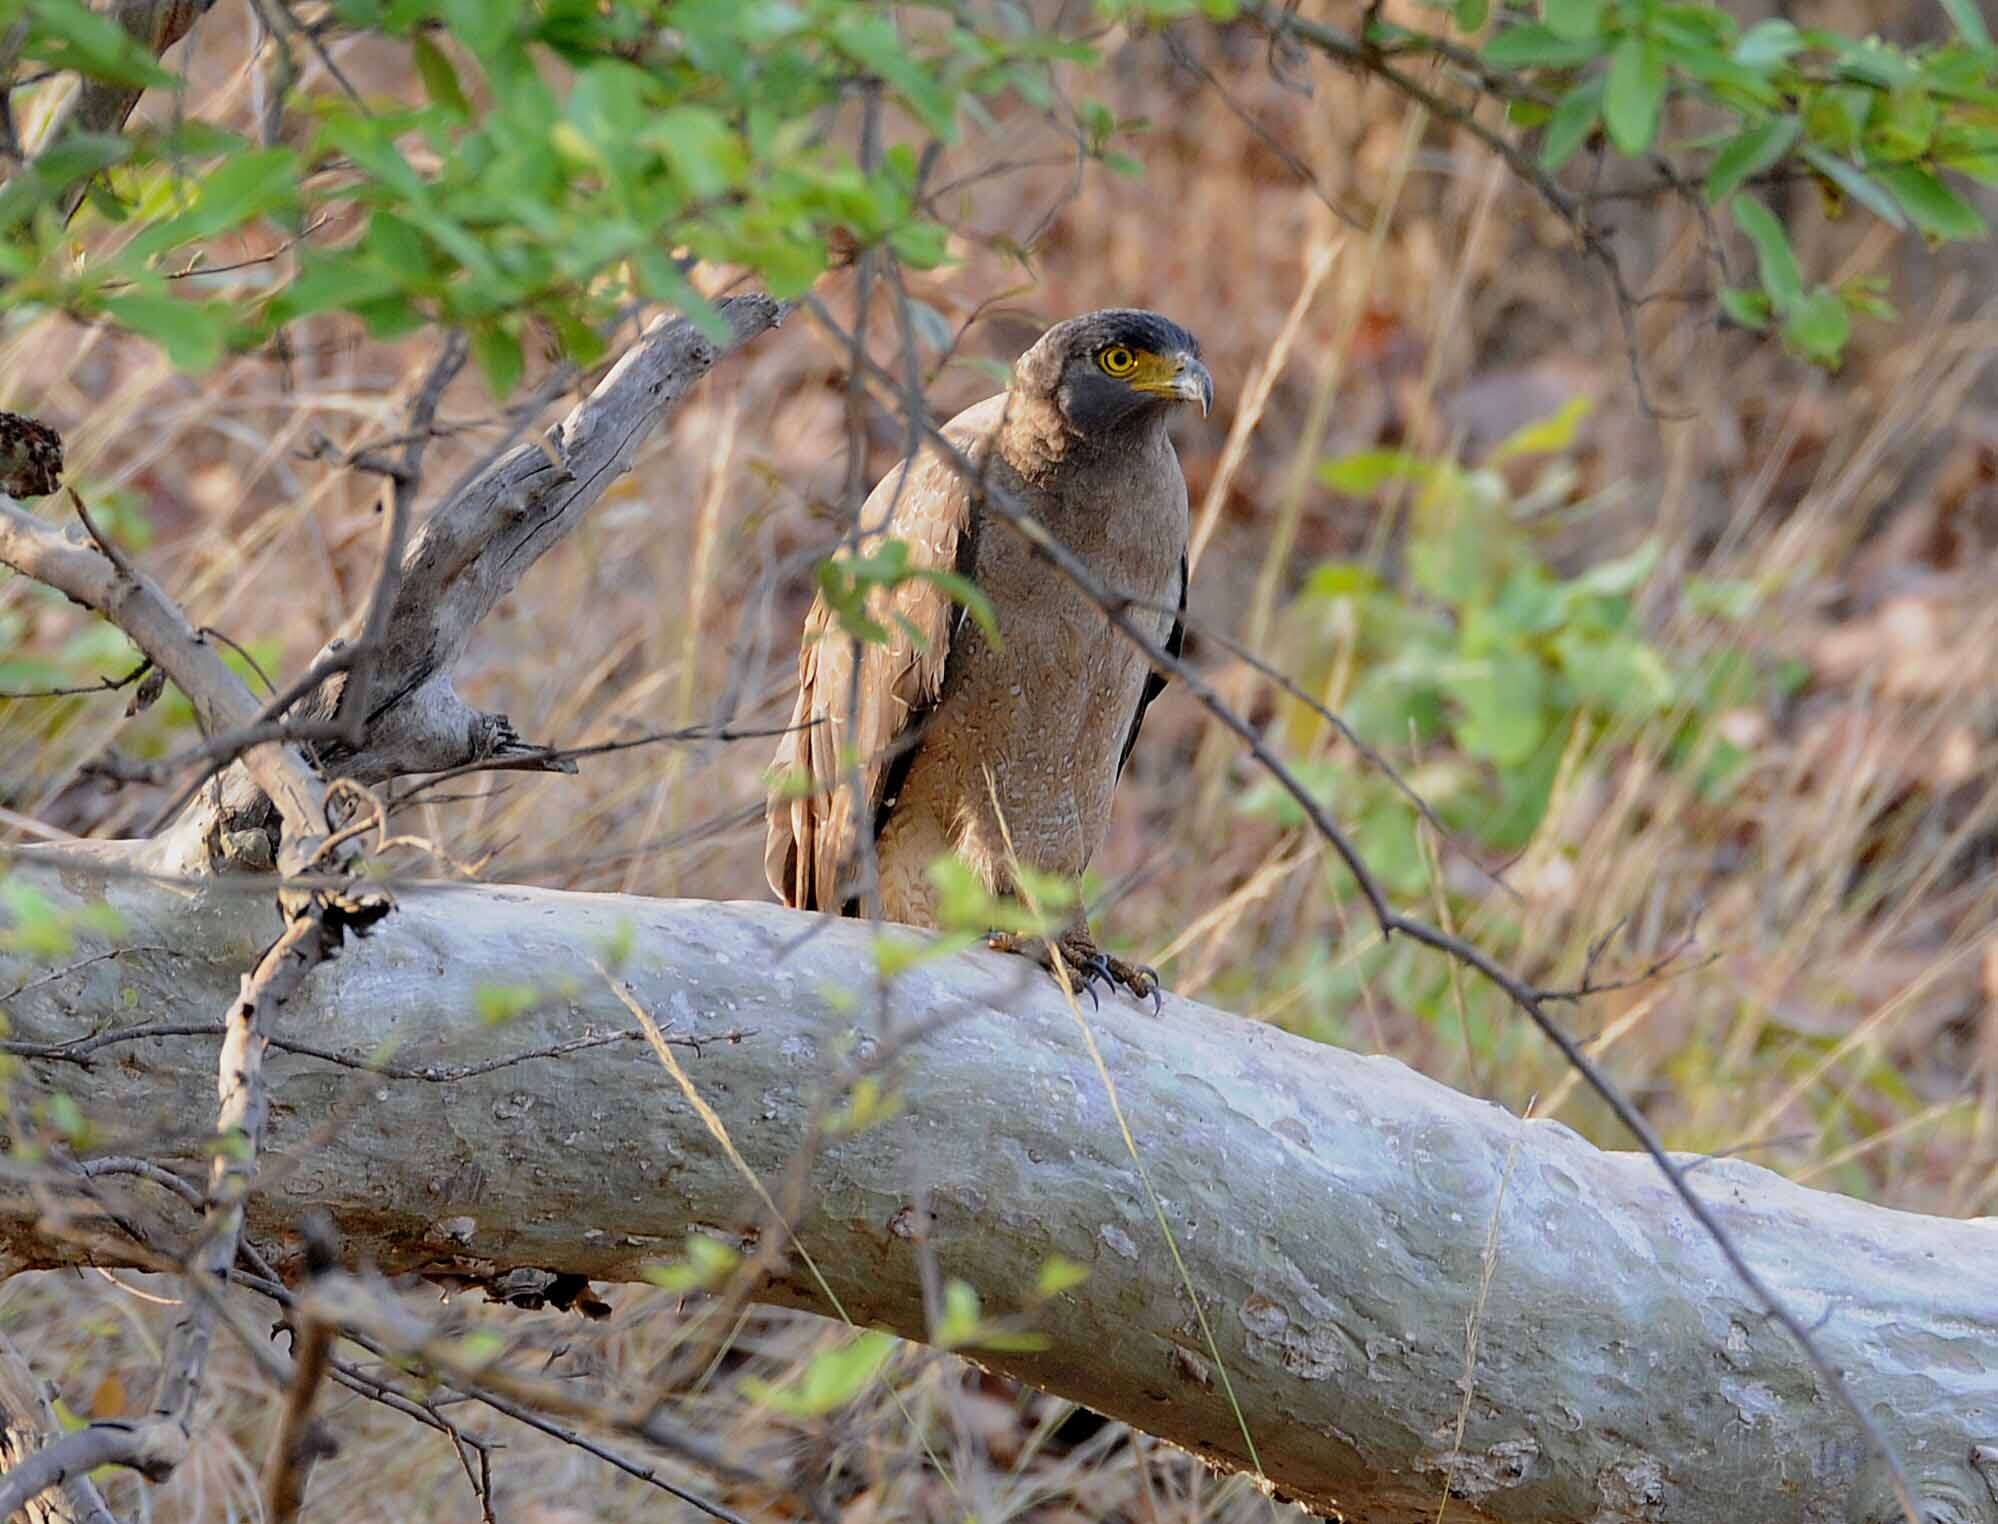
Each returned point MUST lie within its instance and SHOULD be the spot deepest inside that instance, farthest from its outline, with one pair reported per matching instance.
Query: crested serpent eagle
(1010, 750)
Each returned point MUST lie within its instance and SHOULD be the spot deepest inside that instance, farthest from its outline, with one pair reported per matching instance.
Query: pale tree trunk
(1333, 1212)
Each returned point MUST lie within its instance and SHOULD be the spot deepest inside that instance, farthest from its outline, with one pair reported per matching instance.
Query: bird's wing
(866, 721)
(1155, 681)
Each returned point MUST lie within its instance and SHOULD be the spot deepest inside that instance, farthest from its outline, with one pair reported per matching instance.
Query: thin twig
(357, 709)
(299, 1442)
(82, 1050)
(102, 685)
(1594, 240)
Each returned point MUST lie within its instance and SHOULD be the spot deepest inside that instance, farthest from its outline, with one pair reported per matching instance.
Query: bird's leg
(1087, 963)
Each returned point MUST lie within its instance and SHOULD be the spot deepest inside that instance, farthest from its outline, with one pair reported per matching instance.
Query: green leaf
(498, 353)
(69, 35)
(872, 40)
(497, 1004)
(1342, 579)
(1748, 153)
(1537, 47)
(39, 930)
(243, 186)
(1692, 26)
(664, 280)
(1731, 599)
(1868, 192)
(482, 25)
(1733, 84)
(327, 281)
(1546, 436)
(1367, 471)
(1618, 576)
(1835, 116)
(1867, 60)
(1472, 14)
(78, 154)
(706, 155)
(1634, 94)
(830, 1381)
(867, 1105)
(1574, 20)
(963, 590)
(1936, 209)
(1773, 255)
(439, 76)
(1767, 44)
(1501, 703)
(190, 332)
(1969, 22)
(1867, 296)
(922, 244)
(1572, 122)
(1818, 327)
(958, 1320)
(1968, 150)
(1902, 125)
(1749, 308)
(1059, 1274)
(708, 1263)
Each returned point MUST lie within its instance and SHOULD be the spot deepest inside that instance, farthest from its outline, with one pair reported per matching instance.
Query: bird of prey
(942, 740)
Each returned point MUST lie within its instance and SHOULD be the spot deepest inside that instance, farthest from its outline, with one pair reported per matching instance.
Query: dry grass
(1843, 1030)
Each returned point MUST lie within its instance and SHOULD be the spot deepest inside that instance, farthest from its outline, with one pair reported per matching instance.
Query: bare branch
(405, 481)
(299, 1442)
(27, 1420)
(102, 685)
(477, 545)
(105, 581)
(313, 934)
(1341, 1317)
(81, 1051)
(153, 1450)
(470, 553)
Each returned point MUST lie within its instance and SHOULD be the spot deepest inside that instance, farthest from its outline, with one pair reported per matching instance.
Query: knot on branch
(30, 457)
(523, 1287)
(494, 739)
(355, 911)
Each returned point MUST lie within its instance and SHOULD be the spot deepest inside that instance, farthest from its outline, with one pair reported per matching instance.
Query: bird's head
(1107, 370)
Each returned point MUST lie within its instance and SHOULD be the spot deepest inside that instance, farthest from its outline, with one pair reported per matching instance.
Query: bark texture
(479, 542)
(1333, 1211)
(470, 552)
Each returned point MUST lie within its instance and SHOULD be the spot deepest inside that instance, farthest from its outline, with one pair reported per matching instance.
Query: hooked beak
(1177, 378)
(1191, 383)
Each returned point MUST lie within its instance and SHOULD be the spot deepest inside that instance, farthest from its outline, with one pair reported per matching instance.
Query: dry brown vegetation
(1840, 1025)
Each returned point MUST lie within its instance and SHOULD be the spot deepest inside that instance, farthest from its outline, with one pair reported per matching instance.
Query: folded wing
(861, 704)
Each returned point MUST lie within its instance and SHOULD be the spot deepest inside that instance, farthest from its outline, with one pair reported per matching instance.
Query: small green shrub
(1478, 666)
(1485, 674)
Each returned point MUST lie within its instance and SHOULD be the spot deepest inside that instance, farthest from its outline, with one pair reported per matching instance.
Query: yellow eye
(1117, 361)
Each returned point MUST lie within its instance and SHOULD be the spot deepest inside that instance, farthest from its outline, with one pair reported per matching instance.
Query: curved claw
(1158, 988)
(1093, 969)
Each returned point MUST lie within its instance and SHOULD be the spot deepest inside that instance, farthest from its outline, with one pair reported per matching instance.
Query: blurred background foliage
(1605, 432)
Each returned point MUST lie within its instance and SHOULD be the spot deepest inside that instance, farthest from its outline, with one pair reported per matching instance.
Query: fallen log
(1334, 1212)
